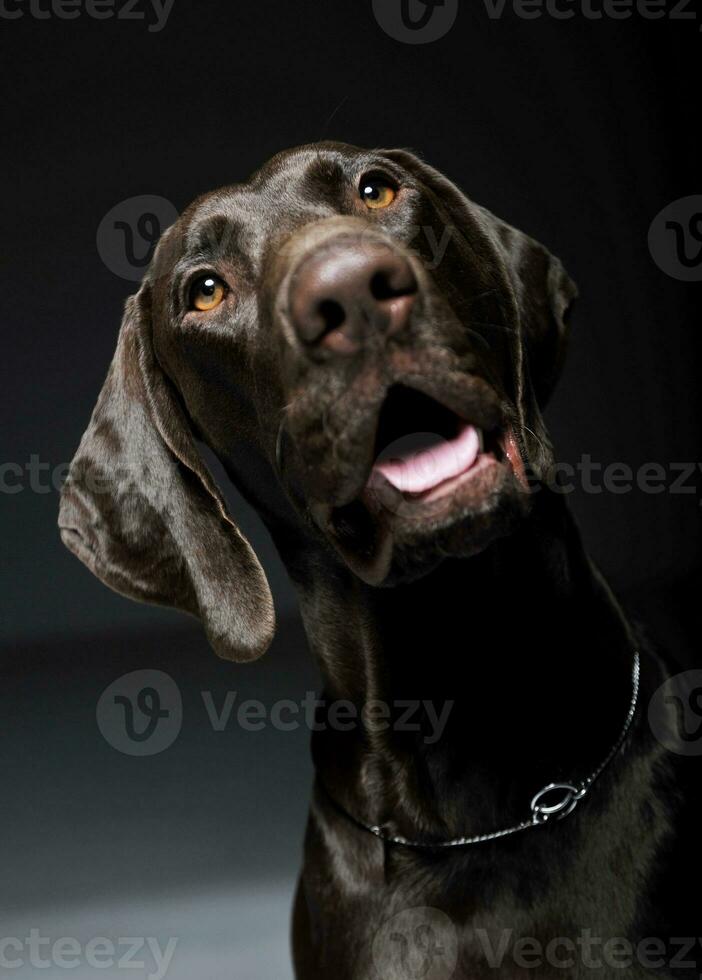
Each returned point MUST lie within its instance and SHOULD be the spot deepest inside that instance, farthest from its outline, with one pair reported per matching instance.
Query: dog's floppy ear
(141, 509)
(543, 292)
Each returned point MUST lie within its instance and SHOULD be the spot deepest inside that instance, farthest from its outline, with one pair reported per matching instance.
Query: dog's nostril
(332, 314)
(344, 296)
(391, 283)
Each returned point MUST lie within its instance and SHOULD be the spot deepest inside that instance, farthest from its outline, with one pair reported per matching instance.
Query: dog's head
(367, 352)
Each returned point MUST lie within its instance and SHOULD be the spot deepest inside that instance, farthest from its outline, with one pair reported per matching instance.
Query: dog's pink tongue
(427, 468)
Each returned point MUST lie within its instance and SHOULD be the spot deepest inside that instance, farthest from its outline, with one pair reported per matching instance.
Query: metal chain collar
(554, 801)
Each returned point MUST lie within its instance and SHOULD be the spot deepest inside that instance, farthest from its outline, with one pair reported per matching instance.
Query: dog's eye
(206, 293)
(377, 191)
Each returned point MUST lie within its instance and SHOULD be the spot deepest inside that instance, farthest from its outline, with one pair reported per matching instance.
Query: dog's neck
(519, 658)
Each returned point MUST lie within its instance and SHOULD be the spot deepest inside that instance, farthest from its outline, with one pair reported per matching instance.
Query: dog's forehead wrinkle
(299, 157)
(309, 171)
(247, 224)
(221, 227)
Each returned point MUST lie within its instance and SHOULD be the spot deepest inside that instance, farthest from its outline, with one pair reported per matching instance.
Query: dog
(381, 406)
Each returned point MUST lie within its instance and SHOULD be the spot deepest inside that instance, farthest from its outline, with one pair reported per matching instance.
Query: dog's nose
(343, 294)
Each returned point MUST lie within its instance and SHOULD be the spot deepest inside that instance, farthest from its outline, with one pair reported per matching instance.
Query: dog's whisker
(331, 116)
(539, 440)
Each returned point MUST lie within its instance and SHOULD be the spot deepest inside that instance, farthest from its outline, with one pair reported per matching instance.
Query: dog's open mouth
(423, 448)
(441, 474)
(442, 468)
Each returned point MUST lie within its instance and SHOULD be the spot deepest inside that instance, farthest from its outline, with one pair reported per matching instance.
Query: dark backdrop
(578, 132)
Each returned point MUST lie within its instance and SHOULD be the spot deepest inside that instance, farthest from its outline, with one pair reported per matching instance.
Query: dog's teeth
(481, 439)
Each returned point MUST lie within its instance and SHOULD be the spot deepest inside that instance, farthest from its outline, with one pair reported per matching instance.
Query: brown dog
(307, 327)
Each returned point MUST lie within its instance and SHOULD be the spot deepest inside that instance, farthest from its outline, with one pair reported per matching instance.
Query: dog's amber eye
(377, 192)
(207, 292)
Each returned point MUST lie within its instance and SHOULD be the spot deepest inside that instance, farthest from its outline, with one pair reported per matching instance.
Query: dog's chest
(566, 906)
